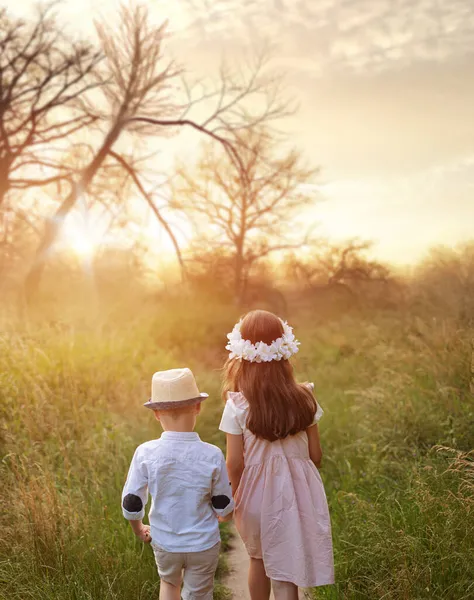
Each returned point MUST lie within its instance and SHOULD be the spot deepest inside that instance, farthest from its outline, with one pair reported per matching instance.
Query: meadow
(122, 254)
(397, 435)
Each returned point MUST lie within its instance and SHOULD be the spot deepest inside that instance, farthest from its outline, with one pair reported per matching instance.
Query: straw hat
(174, 389)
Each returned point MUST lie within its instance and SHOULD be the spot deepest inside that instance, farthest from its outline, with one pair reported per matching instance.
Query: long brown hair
(279, 406)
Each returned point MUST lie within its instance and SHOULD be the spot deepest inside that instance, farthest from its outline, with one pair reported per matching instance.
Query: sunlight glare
(82, 236)
(83, 247)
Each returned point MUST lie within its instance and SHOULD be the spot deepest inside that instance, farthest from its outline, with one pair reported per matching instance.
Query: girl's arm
(235, 459)
(315, 451)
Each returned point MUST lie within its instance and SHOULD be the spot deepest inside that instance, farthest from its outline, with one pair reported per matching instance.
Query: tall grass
(398, 438)
(71, 417)
(397, 434)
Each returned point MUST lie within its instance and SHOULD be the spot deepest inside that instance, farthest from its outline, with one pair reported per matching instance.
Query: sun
(81, 236)
(83, 247)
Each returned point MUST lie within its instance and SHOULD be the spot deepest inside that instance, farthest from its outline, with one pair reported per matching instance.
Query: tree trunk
(4, 185)
(54, 225)
(238, 274)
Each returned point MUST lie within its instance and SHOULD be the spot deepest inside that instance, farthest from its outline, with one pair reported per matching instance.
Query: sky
(385, 90)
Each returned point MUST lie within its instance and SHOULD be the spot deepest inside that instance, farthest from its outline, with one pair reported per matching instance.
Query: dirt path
(238, 560)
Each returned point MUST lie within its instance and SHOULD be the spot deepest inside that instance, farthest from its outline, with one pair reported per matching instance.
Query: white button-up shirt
(189, 488)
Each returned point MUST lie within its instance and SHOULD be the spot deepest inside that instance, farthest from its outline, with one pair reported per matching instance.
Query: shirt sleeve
(221, 495)
(319, 411)
(135, 492)
(229, 421)
(317, 415)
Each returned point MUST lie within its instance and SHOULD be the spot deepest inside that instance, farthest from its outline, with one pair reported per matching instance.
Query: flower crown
(282, 348)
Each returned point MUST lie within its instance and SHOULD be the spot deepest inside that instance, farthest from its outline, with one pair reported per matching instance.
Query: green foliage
(397, 434)
(71, 418)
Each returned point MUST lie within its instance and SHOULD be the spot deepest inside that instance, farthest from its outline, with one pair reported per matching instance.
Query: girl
(273, 456)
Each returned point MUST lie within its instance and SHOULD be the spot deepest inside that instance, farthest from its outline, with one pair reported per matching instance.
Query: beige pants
(199, 570)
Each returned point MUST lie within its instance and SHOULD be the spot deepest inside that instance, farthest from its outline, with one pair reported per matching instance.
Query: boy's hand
(141, 531)
(227, 518)
(144, 534)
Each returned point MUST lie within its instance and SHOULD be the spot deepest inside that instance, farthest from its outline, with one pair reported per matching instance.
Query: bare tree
(43, 79)
(140, 84)
(342, 275)
(136, 81)
(247, 207)
(245, 97)
(334, 265)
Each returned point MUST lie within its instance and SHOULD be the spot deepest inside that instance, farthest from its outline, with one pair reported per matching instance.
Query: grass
(398, 436)
(398, 432)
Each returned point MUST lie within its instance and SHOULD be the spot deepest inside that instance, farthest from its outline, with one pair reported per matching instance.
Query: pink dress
(281, 510)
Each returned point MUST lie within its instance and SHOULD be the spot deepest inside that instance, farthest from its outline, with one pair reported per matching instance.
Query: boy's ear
(198, 408)
(157, 415)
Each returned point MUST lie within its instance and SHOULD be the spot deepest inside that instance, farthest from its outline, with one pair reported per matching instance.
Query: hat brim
(176, 404)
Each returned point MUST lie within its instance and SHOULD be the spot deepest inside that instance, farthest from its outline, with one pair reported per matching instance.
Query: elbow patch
(132, 503)
(220, 502)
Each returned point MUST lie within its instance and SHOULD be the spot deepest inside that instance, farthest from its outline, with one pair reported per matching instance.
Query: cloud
(349, 35)
(391, 122)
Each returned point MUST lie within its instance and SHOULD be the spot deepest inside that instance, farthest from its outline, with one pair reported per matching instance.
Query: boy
(189, 487)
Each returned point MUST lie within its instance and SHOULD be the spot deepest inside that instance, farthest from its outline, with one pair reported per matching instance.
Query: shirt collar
(180, 436)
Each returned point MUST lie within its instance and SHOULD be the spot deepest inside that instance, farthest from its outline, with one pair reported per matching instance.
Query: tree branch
(131, 171)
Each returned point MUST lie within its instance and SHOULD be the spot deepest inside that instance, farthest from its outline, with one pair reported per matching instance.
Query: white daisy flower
(282, 348)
